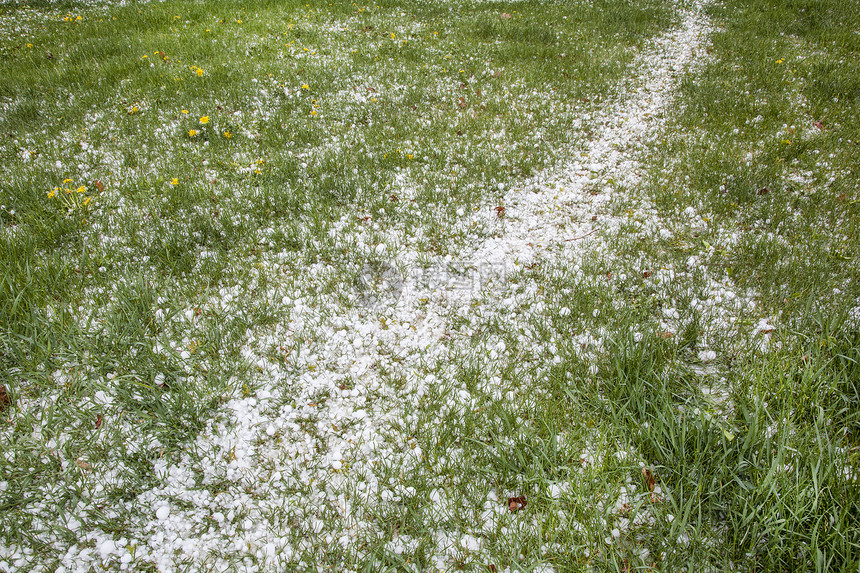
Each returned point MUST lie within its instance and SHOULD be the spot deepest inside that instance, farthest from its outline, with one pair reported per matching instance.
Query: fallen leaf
(516, 503)
(98, 421)
(651, 482)
(5, 399)
(819, 125)
(650, 479)
(99, 185)
(83, 465)
(667, 335)
(646, 274)
(500, 212)
(505, 16)
(763, 191)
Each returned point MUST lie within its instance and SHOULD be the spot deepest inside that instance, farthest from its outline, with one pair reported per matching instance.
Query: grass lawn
(459, 285)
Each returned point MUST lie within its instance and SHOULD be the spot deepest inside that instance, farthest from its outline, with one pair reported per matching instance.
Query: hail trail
(301, 465)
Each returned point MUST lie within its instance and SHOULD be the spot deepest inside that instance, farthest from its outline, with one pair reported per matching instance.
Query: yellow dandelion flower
(66, 181)
(144, 57)
(87, 201)
(204, 120)
(174, 181)
(134, 109)
(227, 134)
(306, 87)
(185, 111)
(392, 35)
(81, 189)
(52, 193)
(192, 132)
(199, 71)
(313, 112)
(29, 45)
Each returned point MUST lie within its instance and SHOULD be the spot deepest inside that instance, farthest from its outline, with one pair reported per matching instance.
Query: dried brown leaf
(651, 482)
(517, 503)
(650, 478)
(5, 398)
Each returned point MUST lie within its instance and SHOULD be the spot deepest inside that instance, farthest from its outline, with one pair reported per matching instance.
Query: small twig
(583, 236)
